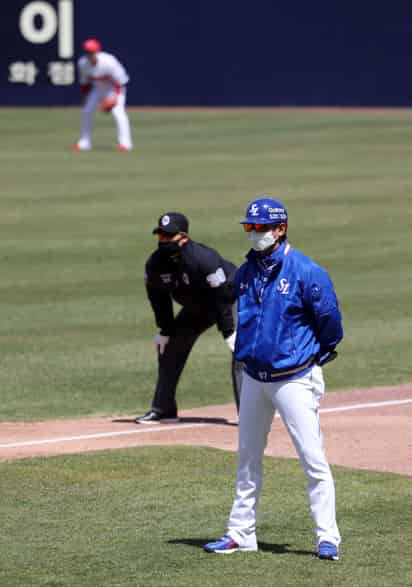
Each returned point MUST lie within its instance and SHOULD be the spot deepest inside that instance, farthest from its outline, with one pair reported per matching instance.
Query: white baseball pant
(119, 114)
(297, 401)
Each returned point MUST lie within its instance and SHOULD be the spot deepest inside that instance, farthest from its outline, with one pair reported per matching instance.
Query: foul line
(162, 428)
(398, 402)
(168, 427)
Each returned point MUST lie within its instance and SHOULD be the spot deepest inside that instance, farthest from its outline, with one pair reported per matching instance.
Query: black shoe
(152, 417)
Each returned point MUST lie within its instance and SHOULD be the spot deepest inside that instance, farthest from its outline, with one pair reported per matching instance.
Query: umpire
(201, 281)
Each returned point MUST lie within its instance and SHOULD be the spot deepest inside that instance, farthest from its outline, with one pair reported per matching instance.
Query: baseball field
(76, 334)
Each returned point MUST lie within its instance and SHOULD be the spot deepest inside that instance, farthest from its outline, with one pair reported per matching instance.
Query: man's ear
(182, 241)
(282, 228)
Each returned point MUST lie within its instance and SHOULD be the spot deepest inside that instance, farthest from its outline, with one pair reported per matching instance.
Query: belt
(282, 374)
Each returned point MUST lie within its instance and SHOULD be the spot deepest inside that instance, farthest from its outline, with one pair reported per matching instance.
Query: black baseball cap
(172, 222)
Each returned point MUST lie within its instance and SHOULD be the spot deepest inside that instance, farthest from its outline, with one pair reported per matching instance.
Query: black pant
(188, 328)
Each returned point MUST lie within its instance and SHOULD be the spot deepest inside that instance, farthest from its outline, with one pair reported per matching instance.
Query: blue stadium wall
(212, 53)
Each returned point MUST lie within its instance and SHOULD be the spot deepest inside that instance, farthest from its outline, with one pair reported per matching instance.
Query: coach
(201, 281)
(289, 324)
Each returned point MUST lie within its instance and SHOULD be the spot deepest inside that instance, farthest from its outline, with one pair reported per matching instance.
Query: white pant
(119, 114)
(297, 401)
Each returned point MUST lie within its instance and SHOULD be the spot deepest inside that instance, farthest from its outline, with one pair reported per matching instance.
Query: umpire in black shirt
(201, 281)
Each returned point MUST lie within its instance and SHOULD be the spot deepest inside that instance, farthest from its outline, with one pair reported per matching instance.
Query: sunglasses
(249, 226)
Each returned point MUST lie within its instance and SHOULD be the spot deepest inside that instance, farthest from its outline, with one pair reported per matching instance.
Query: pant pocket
(318, 384)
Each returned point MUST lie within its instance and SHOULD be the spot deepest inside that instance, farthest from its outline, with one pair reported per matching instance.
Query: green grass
(132, 517)
(76, 338)
(76, 228)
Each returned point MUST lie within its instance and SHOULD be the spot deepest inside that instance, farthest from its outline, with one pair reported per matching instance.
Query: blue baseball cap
(265, 211)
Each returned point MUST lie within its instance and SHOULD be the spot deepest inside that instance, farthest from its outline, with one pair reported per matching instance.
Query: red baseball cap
(91, 45)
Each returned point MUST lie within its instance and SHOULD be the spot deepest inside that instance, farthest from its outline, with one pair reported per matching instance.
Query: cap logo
(165, 220)
(254, 210)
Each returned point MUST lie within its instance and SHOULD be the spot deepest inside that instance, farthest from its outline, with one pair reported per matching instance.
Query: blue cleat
(224, 545)
(328, 551)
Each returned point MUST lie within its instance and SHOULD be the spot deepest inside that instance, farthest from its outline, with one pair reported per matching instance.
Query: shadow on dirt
(183, 420)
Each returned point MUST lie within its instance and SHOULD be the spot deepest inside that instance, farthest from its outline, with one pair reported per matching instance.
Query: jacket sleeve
(322, 304)
(221, 290)
(159, 295)
(224, 314)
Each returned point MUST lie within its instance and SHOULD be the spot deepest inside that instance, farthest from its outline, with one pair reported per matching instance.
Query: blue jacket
(287, 314)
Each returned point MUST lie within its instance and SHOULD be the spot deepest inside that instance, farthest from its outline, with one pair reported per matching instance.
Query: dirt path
(366, 429)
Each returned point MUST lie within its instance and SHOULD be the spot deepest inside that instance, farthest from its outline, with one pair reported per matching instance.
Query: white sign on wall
(39, 23)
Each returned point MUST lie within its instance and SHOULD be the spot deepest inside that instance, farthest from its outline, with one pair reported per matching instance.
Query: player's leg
(188, 328)
(297, 401)
(122, 122)
(255, 420)
(89, 107)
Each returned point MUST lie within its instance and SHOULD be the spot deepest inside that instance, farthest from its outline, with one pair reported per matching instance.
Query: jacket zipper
(261, 295)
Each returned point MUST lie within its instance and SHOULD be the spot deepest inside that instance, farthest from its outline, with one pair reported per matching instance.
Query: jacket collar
(268, 262)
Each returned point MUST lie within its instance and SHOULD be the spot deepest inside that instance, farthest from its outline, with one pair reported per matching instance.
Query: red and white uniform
(107, 75)
(97, 81)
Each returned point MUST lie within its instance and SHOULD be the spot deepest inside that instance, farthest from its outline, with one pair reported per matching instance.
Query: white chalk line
(398, 402)
(169, 427)
(162, 428)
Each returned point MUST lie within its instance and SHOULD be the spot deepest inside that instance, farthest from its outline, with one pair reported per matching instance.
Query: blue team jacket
(287, 314)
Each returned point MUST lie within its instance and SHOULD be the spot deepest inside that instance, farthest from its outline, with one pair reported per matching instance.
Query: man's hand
(325, 357)
(108, 103)
(160, 342)
(230, 341)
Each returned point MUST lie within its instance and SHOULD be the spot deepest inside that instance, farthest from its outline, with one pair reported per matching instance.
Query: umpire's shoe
(153, 417)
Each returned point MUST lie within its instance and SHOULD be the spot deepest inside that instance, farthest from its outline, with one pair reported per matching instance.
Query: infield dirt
(364, 428)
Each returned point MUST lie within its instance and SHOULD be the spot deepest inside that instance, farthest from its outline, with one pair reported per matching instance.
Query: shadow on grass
(183, 420)
(263, 546)
(100, 149)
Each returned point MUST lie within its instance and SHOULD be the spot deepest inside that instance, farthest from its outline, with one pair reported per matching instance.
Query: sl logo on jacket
(287, 313)
(283, 286)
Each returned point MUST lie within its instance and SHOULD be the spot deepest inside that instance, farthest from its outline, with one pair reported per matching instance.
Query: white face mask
(262, 240)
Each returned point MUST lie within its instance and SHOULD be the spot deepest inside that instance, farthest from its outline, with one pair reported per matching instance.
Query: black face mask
(171, 249)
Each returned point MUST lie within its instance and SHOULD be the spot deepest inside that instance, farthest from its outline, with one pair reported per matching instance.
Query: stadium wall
(214, 53)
